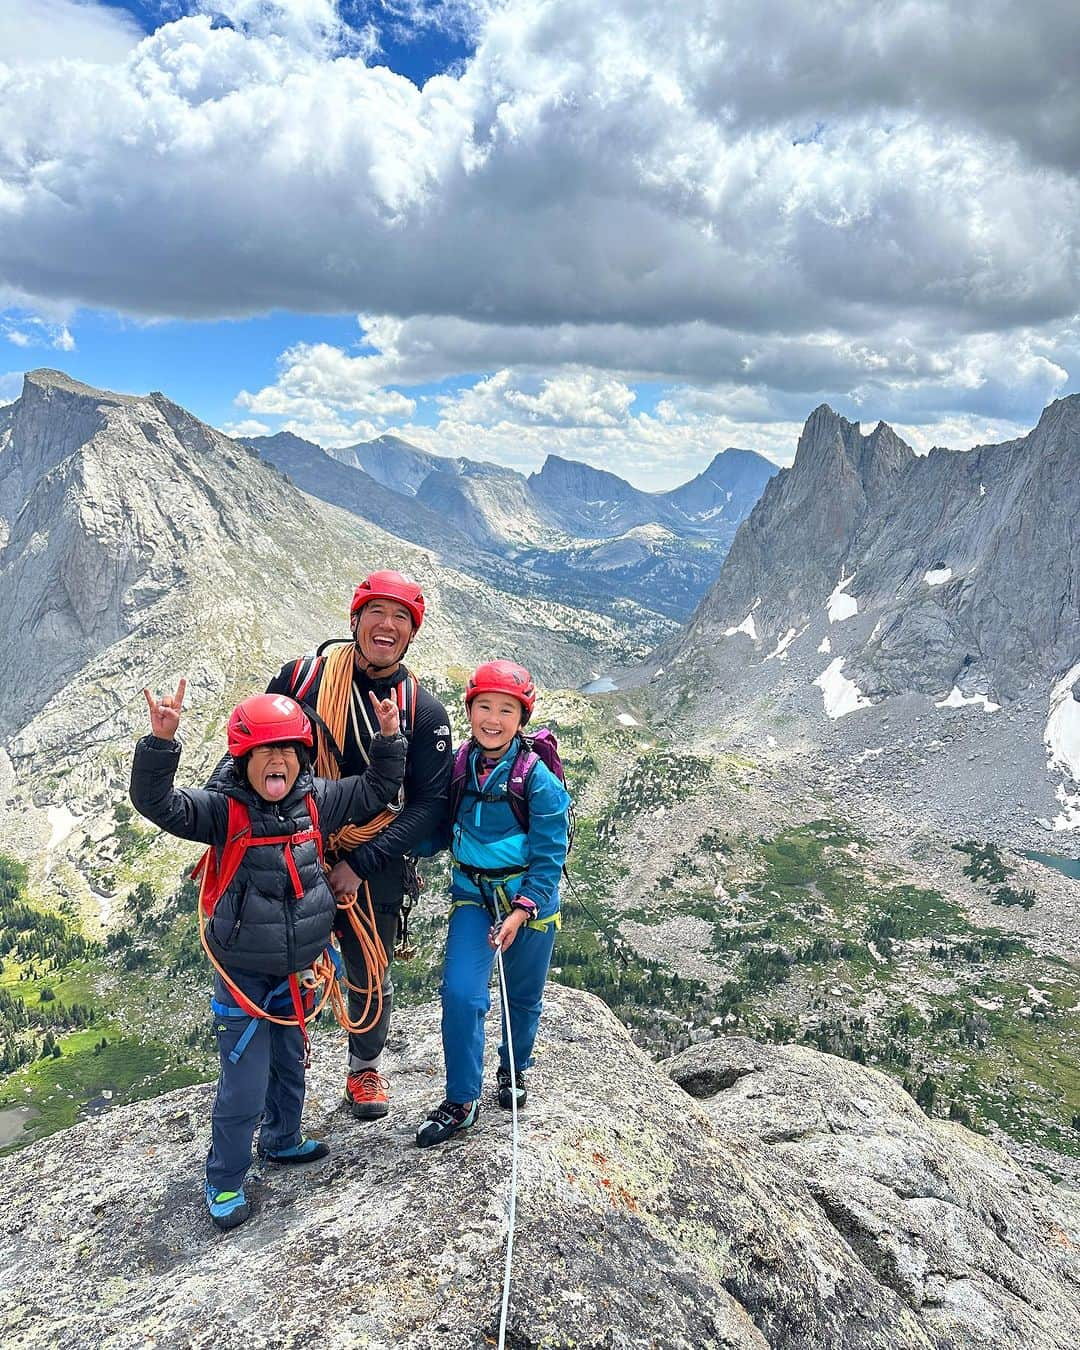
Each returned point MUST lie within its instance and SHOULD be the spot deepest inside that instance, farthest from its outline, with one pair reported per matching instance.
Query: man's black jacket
(428, 767)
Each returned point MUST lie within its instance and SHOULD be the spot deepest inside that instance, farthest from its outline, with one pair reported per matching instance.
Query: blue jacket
(485, 833)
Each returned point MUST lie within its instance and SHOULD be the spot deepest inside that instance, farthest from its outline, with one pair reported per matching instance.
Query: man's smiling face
(383, 630)
(273, 770)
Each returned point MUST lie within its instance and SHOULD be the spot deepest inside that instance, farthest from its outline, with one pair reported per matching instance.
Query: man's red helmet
(266, 719)
(503, 677)
(390, 586)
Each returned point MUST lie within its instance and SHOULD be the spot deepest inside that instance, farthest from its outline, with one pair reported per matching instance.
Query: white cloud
(249, 427)
(31, 330)
(755, 202)
(45, 32)
(576, 398)
(10, 386)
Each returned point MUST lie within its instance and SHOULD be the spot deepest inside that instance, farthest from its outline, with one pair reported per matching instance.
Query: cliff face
(138, 544)
(799, 1202)
(968, 564)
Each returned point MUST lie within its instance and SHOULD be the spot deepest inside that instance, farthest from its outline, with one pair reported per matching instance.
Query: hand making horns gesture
(386, 710)
(165, 716)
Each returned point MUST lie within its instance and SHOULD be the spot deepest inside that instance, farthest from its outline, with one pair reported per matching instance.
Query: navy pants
(465, 996)
(265, 1084)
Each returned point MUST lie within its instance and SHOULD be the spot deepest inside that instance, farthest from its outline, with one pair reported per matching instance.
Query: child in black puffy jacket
(275, 915)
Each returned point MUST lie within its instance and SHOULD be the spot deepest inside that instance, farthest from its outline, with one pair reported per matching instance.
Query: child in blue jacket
(504, 896)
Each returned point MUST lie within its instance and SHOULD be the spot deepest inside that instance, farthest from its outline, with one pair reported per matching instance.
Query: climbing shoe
(307, 1150)
(446, 1120)
(228, 1209)
(367, 1094)
(506, 1090)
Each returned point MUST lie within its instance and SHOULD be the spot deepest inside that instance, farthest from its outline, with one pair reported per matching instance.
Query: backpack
(541, 746)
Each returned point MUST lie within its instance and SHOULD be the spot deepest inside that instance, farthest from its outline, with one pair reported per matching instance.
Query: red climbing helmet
(390, 586)
(266, 719)
(503, 677)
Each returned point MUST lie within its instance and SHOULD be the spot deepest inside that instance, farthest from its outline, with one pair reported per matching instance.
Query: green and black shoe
(446, 1120)
(506, 1089)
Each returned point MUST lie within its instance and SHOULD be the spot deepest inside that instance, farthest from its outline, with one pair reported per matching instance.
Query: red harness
(218, 866)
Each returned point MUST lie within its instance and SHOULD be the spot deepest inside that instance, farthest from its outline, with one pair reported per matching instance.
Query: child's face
(272, 770)
(495, 719)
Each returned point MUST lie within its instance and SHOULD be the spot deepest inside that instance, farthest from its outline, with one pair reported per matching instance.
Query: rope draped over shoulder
(332, 705)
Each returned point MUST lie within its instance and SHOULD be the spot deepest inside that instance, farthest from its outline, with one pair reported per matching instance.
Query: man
(336, 684)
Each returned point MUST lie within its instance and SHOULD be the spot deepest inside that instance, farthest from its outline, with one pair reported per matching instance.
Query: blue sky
(620, 234)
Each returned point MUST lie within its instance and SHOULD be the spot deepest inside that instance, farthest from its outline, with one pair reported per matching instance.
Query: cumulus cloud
(777, 203)
(574, 399)
(45, 32)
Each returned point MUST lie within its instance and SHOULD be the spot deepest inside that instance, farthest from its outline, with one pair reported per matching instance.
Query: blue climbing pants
(466, 1000)
(266, 1083)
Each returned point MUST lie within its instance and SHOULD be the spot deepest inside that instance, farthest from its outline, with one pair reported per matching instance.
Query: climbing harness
(311, 990)
(494, 898)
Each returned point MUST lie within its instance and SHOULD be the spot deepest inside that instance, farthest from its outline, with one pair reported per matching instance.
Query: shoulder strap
(405, 692)
(313, 813)
(517, 783)
(457, 778)
(218, 865)
(303, 675)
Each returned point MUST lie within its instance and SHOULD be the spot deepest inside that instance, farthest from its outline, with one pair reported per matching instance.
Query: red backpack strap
(405, 692)
(218, 865)
(313, 812)
(303, 674)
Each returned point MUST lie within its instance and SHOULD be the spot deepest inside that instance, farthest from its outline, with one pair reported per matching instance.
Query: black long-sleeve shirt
(427, 768)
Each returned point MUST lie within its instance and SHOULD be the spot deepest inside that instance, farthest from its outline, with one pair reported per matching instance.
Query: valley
(766, 844)
(710, 895)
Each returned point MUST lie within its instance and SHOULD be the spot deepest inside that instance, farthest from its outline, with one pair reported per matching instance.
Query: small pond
(12, 1120)
(1069, 866)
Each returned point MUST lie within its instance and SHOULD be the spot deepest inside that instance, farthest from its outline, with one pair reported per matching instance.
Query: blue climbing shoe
(228, 1209)
(307, 1150)
(446, 1120)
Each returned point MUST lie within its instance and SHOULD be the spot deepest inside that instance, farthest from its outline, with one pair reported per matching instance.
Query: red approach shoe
(367, 1094)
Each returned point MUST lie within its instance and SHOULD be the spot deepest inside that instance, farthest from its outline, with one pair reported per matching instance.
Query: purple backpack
(540, 746)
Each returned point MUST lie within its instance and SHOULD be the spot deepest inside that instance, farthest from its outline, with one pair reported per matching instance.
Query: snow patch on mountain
(956, 699)
(840, 605)
(784, 643)
(747, 626)
(842, 696)
(1062, 734)
(938, 576)
(825, 645)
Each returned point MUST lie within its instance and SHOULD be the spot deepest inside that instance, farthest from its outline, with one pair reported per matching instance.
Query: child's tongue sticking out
(272, 771)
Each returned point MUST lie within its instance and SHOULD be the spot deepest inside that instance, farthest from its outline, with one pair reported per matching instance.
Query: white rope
(513, 1149)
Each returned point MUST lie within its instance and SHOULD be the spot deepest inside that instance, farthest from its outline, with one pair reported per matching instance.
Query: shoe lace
(367, 1086)
(450, 1113)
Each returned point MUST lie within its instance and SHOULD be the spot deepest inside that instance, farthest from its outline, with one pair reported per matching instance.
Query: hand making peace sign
(165, 716)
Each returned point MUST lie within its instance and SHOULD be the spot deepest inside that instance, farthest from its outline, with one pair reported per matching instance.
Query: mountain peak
(44, 379)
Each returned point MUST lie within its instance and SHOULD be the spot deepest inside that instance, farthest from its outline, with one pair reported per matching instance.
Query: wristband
(528, 907)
